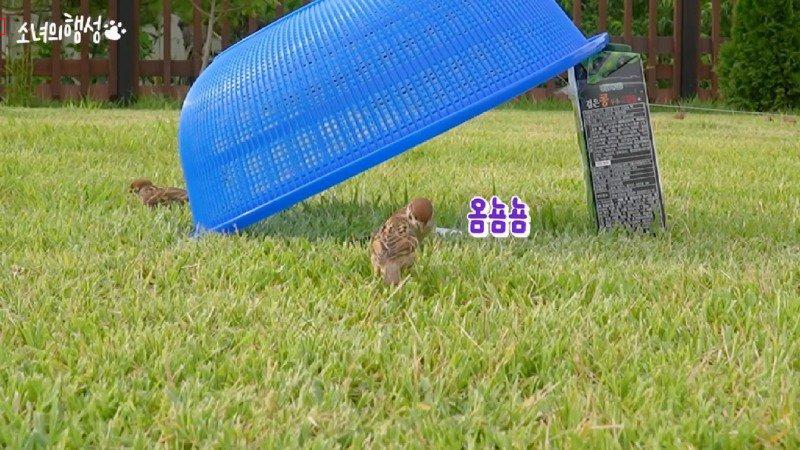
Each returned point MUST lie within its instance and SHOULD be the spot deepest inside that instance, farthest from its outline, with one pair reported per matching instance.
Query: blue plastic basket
(339, 86)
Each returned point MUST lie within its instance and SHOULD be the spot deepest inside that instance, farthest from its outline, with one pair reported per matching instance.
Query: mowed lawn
(117, 329)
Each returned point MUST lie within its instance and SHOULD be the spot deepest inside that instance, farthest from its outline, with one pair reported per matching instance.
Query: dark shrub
(760, 66)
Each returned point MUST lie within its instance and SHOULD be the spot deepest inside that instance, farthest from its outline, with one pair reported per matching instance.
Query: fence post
(2, 66)
(602, 13)
(86, 68)
(55, 57)
(690, 47)
(166, 60)
(127, 53)
(197, 40)
(716, 42)
(577, 13)
(628, 22)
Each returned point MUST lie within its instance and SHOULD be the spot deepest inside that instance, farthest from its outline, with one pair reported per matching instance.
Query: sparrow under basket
(339, 86)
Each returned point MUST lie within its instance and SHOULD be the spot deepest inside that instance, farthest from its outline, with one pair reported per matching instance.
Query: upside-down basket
(339, 86)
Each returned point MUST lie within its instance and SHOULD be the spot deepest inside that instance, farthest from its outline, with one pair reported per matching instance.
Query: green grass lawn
(116, 329)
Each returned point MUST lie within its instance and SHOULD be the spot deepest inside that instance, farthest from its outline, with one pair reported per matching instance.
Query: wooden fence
(678, 66)
(688, 73)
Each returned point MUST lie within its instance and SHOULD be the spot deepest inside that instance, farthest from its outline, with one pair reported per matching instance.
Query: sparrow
(153, 196)
(680, 115)
(395, 243)
(789, 120)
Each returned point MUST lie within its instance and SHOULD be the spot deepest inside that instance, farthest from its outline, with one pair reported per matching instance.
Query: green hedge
(760, 66)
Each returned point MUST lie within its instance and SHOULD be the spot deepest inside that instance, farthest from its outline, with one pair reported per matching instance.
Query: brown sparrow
(680, 115)
(153, 196)
(394, 245)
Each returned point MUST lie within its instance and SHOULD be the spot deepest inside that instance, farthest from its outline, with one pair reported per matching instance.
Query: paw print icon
(113, 30)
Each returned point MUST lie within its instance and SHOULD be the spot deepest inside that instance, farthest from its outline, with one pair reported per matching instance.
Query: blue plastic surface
(339, 86)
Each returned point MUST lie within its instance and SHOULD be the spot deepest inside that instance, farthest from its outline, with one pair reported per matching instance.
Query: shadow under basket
(340, 86)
